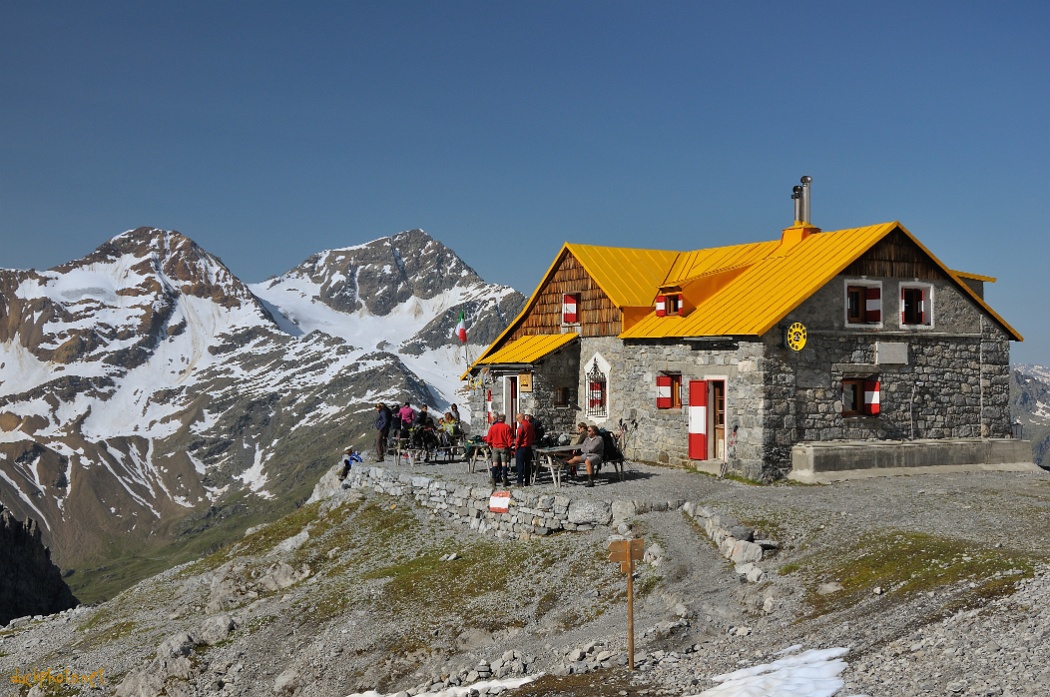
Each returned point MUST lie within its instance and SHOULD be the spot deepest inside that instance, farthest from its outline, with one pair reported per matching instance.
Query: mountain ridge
(145, 384)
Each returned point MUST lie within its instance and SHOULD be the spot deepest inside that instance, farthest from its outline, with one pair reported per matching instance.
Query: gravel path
(696, 618)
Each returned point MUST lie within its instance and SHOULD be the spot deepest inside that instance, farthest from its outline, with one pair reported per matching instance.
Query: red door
(698, 419)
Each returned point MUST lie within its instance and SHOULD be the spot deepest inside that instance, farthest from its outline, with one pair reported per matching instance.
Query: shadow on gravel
(608, 683)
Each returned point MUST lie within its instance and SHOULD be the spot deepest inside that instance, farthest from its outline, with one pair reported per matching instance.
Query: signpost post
(627, 552)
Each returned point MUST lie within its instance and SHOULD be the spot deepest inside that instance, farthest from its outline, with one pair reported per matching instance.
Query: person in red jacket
(500, 439)
(524, 439)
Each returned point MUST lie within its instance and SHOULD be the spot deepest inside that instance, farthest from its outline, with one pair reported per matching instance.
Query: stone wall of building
(557, 371)
(948, 380)
(662, 435)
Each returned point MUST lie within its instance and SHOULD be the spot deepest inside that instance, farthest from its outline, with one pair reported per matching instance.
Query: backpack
(610, 453)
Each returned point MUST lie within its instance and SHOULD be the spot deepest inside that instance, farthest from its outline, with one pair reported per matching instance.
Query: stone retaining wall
(538, 514)
(529, 514)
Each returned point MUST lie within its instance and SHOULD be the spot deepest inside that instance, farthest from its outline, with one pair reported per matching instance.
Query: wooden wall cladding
(896, 256)
(598, 316)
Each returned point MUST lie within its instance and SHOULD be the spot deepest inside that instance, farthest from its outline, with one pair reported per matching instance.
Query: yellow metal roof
(740, 290)
(527, 349)
(629, 277)
(973, 276)
(752, 302)
(605, 265)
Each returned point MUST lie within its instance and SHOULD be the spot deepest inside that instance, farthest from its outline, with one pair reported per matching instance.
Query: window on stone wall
(562, 396)
(916, 305)
(863, 304)
(669, 391)
(597, 392)
(860, 396)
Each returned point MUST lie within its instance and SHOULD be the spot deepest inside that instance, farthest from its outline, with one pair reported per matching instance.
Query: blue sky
(269, 131)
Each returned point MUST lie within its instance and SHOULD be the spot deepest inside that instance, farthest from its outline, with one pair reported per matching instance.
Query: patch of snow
(254, 477)
(813, 673)
(461, 690)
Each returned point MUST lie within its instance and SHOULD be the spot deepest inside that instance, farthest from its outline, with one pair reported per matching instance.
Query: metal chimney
(796, 196)
(804, 199)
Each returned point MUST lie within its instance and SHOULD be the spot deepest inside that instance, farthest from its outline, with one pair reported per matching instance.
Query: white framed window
(596, 388)
(570, 309)
(863, 303)
(916, 305)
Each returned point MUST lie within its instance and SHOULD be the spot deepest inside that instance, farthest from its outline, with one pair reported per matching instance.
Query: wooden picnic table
(553, 458)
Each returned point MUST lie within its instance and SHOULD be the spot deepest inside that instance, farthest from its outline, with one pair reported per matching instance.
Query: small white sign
(891, 353)
(499, 502)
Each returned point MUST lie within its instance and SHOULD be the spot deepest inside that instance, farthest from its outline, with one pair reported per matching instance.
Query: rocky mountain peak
(377, 276)
(29, 583)
(166, 261)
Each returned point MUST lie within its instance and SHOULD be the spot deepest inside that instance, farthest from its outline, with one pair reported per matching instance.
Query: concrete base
(832, 461)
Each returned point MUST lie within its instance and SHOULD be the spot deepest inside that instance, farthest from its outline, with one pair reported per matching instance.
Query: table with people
(415, 435)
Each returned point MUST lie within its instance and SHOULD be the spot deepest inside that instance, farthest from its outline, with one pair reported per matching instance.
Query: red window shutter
(661, 305)
(663, 392)
(871, 397)
(596, 394)
(569, 305)
(873, 305)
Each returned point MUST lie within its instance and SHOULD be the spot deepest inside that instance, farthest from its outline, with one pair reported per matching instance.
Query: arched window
(597, 391)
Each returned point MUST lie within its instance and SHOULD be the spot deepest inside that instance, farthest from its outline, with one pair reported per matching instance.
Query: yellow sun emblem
(796, 336)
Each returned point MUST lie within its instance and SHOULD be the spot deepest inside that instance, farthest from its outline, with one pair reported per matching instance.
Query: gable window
(863, 304)
(670, 304)
(861, 396)
(916, 305)
(570, 308)
(669, 391)
(597, 391)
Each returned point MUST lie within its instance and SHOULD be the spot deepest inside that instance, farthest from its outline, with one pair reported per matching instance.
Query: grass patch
(94, 636)
(907, 563)
(196, 539)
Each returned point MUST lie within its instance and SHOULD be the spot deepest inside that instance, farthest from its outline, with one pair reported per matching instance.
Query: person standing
(407, 415)
(382, 425)
(500, 439)
(524, 439)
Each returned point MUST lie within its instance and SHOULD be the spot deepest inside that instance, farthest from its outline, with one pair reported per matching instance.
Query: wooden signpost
(627, 552)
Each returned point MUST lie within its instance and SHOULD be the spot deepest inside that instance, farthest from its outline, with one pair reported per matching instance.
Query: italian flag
(461, 329)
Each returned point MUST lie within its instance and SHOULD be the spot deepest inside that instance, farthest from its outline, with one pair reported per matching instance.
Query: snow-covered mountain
(145, 387)
(1030, 403)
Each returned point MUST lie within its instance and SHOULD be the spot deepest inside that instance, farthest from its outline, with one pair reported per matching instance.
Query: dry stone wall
(538, 514)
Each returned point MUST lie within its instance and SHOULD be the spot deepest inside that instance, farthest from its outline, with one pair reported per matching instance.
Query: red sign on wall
(499, 502)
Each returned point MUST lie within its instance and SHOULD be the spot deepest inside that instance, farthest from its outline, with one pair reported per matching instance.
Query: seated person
(591, 450)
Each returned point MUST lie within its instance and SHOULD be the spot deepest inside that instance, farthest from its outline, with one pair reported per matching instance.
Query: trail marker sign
(627, 552)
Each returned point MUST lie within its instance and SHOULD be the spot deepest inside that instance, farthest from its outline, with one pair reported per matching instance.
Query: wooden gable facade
(597, 314)
(896, 256)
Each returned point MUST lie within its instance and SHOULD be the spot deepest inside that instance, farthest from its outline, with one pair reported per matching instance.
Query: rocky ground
(937, 584)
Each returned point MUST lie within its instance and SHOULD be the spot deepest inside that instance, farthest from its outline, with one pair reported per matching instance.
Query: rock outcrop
(29, 583)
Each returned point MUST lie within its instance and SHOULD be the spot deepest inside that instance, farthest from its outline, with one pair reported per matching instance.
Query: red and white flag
(461, 329)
